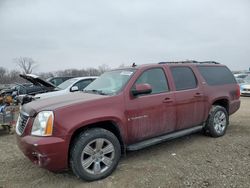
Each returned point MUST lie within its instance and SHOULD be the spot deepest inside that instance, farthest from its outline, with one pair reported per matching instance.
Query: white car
(245, 87)
(240, 75)
(71, 85)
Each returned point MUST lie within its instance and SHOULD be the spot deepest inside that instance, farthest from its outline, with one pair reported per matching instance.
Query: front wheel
(95, 154)
(217, 121)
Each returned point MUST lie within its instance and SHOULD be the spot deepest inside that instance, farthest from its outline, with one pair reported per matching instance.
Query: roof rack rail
(189, 61)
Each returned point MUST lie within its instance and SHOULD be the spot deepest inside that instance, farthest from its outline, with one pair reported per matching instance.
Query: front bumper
(46, 152)
(245, 93)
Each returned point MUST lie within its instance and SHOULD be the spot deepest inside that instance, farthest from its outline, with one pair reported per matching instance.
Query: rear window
(217, 75)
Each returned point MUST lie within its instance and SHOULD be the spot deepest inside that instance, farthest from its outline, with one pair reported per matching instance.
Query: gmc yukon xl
(124, 110)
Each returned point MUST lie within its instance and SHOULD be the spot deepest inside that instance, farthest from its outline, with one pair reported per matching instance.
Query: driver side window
(156, 78)
(83, 83)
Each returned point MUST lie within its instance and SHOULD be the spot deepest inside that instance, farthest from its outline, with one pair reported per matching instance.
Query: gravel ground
(191, 161)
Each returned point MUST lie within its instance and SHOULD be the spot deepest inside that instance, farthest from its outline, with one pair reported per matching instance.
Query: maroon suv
(126, 109)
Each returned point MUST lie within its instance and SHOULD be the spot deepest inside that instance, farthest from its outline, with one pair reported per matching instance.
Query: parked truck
(127, 109)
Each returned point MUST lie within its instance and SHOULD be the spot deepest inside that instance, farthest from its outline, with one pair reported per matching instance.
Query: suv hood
(34, 79)
(53, 103)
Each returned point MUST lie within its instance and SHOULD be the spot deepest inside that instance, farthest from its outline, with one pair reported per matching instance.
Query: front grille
(246, 89)
(21, 123)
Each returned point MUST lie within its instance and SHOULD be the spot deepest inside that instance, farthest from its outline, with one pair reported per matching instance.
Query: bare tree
(13, 77)
(46, 75)
(122, 65)
(92, 72)
(103, 68)
(3, 72)
(26, 64)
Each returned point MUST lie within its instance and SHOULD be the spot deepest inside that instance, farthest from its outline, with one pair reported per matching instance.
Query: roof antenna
(134, 65)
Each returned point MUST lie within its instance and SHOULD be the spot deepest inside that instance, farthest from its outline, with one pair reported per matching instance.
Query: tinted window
(57, 81)
(82, 84)
(216, 75)
(67, 83)
(156, 78)
(184, 78)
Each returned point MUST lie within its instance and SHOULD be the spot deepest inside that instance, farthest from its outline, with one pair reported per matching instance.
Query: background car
(70, 85)
(245, 87)
(21, 89)
(6, 86)
(241, 75)
(38, 85)
(240, 81)
(58, 80)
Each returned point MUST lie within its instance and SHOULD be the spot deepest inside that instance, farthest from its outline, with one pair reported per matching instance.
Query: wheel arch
(107, 125)
(224, 102)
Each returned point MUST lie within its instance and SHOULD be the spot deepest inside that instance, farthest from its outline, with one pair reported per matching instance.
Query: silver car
(71, 85)
(245, 87)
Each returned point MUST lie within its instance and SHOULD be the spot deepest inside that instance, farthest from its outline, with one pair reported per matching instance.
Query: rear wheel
(95, 154)
(217, 121)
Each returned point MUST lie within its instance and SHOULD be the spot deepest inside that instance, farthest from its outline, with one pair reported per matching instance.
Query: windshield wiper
(95, 91)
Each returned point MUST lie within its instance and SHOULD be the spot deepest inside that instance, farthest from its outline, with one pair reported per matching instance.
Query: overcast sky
(87, 33)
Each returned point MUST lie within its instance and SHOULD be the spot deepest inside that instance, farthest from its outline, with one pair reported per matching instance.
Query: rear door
(153, 114)
(189, 97)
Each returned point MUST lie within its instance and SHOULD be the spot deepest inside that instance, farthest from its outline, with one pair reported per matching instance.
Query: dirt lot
(192, 161)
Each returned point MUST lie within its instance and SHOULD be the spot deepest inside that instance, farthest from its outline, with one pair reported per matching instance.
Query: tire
(217, 121)
(95, 154)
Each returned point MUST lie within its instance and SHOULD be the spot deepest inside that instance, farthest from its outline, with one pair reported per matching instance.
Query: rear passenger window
(184, 78)
(156, 78)
(216, 75)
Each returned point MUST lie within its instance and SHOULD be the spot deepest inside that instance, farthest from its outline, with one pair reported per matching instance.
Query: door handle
(198, 95)
(168, 100)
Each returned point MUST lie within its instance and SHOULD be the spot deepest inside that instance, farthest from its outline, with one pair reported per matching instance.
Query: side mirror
(141, 89)
(74, 88)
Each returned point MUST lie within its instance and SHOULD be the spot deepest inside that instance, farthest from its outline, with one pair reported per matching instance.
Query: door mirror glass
(74, 88)
(140, 89)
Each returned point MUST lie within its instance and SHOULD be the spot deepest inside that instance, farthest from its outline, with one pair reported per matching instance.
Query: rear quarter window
(216, 75)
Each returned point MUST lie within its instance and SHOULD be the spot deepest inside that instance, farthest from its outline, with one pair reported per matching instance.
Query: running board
(163, 138)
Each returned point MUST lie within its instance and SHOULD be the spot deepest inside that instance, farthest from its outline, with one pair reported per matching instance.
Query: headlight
(43, 124)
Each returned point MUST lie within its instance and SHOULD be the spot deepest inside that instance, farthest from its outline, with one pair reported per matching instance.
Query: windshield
(67, 83)
(110, 83)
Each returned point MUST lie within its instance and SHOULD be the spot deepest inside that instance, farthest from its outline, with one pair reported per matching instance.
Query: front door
(153, 114)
